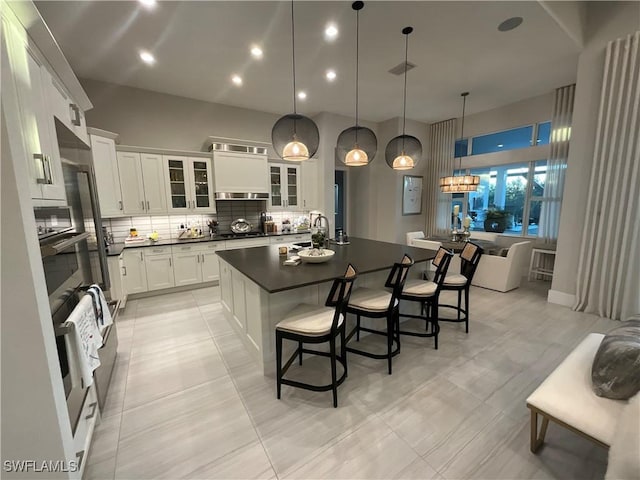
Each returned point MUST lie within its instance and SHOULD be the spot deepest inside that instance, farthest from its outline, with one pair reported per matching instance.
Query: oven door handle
(49, 250)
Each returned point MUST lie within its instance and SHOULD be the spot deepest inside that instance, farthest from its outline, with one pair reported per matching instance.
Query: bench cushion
(370, 300)
(307, 319)
(566, 394)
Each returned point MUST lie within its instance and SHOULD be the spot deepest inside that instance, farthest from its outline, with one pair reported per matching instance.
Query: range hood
(240, 171)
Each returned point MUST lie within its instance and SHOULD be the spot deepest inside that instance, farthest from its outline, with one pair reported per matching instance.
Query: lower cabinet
(196, 263)
(134, 273)
(159, 266)
(226, 292)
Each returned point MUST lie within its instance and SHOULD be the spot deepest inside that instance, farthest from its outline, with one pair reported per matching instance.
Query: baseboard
(561, 298)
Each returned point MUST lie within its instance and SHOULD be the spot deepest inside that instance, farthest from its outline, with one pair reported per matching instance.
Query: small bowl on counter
(316, 255)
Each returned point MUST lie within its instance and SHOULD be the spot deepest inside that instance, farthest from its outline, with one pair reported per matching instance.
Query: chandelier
(460, 183)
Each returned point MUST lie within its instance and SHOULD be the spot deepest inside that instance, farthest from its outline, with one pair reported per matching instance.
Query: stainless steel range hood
(240, 170)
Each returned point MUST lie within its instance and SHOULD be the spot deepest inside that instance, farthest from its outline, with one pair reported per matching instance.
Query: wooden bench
(566, 398)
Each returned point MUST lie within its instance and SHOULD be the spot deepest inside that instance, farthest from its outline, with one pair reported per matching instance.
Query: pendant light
(404, 151)
(294, 136)
(460, 183)
(356, 146)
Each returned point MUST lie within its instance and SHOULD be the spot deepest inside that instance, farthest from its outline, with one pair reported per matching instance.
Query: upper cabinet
(310, 180)
(240, 173)
(105, 164)
(29, 77)
(189, 184)
(32, 95)
(284, 180)
(141, 183)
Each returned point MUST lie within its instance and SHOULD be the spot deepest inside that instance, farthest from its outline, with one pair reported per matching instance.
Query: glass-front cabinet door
(178, 194)
(284, 183)
(189, 184)
(275, 181)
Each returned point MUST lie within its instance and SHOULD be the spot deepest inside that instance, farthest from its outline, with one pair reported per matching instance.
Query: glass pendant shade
(356, 146)
(403, 152)
(295, 137)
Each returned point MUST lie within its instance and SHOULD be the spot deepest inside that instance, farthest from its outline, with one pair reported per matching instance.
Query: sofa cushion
(624, 461)
(616, 367)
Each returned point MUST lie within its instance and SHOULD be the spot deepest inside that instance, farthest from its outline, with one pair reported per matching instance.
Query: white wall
(151, 119)
(606, 21)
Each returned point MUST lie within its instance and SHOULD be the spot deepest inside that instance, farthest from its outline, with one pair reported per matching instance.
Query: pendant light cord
(464, 104)
(406, 56)
(293, 49)
(357, 65)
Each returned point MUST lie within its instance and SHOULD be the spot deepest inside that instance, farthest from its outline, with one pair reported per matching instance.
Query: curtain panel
(609, 263)
(556, 164)
(441, 153)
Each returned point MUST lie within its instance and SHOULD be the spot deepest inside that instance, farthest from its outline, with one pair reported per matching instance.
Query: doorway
(339, 193)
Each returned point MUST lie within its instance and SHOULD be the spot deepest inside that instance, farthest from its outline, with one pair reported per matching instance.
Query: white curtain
(556, 164)
(609, 266)
(441, 152)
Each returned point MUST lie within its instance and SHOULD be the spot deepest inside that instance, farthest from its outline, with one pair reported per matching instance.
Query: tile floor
(186, 400)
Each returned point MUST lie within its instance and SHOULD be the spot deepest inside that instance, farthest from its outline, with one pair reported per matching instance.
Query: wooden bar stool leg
(343, 349)
(537, 440)
(300, 353)
(466, 309)
(278, 363)
(334, 381)
(389, 339)
(357, 328)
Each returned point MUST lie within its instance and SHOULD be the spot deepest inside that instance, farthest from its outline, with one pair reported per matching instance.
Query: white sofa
(489, 236)
(411, 236)
(503, 273)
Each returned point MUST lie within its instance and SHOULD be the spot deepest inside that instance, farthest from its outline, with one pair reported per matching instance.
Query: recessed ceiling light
(500, 145)
(510, 24)
(331, 75)
(302, 95)
(256, 52)
(148, 3)
(331, 32)
(236, 79)
(147, 57)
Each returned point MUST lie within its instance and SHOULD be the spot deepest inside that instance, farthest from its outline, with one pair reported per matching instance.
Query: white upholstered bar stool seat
(423, 288)
(455, 279)
(307, 319)
(370, 299)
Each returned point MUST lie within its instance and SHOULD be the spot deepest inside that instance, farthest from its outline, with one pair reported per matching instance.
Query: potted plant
(496, 220)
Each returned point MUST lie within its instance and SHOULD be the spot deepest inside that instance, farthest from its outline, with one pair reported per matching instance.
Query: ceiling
(456, 47)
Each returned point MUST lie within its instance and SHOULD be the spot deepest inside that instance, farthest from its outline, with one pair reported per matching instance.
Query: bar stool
(373, 303)
(460, 282)
(427, 294)
(315, 324)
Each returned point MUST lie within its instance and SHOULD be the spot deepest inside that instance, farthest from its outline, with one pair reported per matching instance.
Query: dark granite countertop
(116, 248)
(264, 266)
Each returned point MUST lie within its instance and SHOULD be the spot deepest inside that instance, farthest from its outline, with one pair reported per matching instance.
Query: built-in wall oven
(73, 258)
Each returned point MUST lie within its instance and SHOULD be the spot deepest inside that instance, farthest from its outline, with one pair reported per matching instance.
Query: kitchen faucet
(318, 223)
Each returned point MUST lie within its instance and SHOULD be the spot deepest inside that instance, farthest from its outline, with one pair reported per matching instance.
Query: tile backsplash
(168, 226)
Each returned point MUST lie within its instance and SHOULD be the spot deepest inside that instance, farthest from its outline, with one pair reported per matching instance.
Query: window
(462, 148)
(508, 199)
(500, 141)
(544, 133)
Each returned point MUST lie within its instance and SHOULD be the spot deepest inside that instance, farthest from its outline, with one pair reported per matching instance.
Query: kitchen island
(257, 290)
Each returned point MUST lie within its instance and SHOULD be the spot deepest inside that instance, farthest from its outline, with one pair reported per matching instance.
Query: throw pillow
(615, 372)
(624, 461)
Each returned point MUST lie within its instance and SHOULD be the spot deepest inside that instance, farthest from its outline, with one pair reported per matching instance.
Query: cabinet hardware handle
(43, 179)
(119, 204)
(93, 411)
(169, 261)
(142, 202)
(148, 205)
(80, 456)
(75, 115)
(141, 258)
(203, 258)
(49, 174)
(124, 271)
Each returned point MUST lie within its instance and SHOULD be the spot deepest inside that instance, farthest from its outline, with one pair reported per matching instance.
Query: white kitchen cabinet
(310, 181)
(240, 172)
(30, 78)
(105, 164)
(66, 110)
(293, 238)
(134, 273)
(196, 263)
(115, 264)
(159, 266)
(189, 184)
(226, 290)
(247, 243)
(141, 183)
(284, 182)
(186, 265)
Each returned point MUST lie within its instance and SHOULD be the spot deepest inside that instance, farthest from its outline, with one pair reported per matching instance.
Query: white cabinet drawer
(149, 251)
(246, 243)
(213, 246)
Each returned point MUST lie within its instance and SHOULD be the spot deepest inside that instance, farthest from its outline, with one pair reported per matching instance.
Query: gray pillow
(615, 372)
